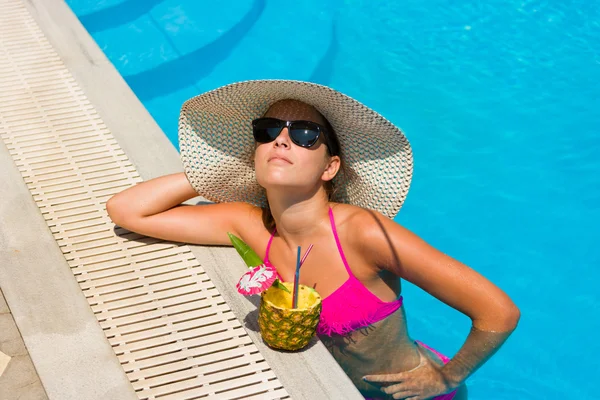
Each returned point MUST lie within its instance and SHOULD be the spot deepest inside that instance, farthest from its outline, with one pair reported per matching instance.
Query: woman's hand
(423, 382)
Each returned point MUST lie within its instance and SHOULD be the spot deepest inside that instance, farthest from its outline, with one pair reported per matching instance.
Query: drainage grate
(173, 333)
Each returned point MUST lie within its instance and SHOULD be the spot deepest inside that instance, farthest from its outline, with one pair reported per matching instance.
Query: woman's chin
(277, 183)
(274, 179)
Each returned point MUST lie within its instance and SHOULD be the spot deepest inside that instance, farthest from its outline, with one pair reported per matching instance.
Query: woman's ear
(331, 168)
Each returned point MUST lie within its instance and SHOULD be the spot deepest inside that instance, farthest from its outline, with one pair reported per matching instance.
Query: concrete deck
(18, 377)
(67, 345)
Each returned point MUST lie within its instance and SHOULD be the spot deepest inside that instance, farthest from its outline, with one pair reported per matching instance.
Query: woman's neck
(298, 222)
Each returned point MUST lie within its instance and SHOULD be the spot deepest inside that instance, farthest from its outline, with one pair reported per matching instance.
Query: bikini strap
(339, 245)
(269, 246)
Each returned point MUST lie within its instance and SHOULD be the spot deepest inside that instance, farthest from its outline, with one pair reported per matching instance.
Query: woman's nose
(283, 139)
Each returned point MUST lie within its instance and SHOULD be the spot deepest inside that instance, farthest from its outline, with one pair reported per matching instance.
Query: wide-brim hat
(217, 145)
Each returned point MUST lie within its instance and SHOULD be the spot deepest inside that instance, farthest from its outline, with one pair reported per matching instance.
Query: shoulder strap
(266, 260)
(337, 241)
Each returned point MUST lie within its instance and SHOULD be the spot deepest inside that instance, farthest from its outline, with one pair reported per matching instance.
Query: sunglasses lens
(304, 133)
(266, 130)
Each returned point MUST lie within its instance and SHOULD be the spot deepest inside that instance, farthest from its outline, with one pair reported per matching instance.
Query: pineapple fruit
(284, 327)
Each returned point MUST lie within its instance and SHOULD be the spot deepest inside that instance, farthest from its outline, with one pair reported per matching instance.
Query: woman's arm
(494, 316)
(153, 208)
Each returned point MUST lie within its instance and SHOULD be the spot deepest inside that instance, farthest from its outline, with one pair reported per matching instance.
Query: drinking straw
(296, 281)
(306, 254)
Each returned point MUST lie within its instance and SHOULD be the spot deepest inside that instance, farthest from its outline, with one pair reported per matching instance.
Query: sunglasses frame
(288, 124)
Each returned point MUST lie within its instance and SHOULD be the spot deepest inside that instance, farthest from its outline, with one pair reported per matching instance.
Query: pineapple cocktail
(289, 313)
(284, 327)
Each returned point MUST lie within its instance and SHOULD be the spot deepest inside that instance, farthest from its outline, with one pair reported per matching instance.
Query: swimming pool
(499, 102)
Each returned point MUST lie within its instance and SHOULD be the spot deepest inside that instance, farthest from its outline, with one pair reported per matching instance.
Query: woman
(292, 164)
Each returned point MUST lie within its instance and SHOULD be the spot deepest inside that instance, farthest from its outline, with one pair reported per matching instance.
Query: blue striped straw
(296, 281)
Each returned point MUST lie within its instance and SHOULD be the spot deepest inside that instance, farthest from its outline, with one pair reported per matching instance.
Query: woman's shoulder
(249, 216)
(357, 218)
(251, 225)
(369, 232)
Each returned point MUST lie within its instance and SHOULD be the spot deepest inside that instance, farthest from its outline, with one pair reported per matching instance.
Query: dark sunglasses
(303, 133)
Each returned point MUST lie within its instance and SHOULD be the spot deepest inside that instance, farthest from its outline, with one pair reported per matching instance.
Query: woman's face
(283, 164)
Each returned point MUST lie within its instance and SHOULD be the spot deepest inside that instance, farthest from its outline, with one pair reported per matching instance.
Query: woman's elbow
(511, 314)
(115, 210)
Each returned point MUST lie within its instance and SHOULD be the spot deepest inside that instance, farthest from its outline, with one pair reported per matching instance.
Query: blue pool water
(500, 101)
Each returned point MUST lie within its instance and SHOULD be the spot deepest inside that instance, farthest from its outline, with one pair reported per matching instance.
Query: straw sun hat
(217, 146)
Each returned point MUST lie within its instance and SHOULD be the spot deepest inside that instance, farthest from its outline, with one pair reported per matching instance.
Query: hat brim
(217, 146)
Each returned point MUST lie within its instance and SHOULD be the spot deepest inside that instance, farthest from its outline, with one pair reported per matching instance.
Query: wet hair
(334, 150)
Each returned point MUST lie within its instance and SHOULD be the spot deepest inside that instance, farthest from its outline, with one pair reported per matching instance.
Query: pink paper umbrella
(257, 280)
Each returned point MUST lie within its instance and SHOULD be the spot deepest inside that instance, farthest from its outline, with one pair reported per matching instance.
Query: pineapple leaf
(281, 286)
(248, 255)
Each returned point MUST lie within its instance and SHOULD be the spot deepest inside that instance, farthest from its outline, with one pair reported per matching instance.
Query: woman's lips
(279, 159)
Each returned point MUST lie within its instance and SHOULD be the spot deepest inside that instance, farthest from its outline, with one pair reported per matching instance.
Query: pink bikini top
(351, 306)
